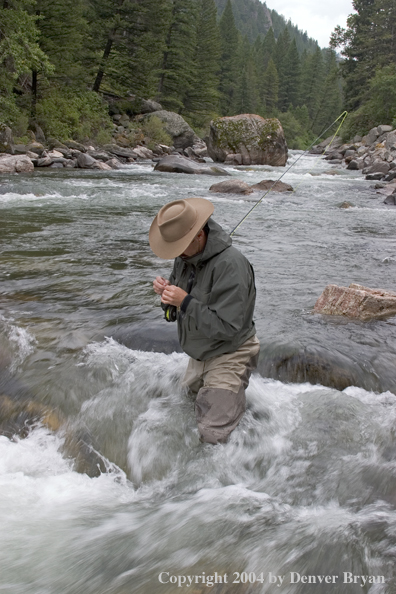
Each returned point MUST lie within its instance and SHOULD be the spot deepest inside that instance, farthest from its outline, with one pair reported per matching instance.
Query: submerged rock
(232, 186)
(316, 365)
(179, 164)
(257, 140)
(357, 302)
(274, 186)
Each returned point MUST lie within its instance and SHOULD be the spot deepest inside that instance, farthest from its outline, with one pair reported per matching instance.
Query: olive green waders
(219, 384)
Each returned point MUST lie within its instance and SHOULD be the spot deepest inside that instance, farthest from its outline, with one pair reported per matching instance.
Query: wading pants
(219, 384)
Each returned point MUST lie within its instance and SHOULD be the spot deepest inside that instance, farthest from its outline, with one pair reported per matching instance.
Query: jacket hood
(218, 240)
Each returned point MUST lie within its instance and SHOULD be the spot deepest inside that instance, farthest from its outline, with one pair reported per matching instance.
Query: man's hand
(172, 295)
(159, 284)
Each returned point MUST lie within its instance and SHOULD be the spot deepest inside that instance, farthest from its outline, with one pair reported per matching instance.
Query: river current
(302, 498)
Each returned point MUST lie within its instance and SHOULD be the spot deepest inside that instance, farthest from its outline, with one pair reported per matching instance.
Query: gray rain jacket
(217, 315)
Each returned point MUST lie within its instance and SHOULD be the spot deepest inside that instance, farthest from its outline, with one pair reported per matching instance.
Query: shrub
(67, 113)
(153, 129)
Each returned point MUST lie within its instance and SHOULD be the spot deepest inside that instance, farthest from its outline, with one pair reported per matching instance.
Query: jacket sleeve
(232, 290)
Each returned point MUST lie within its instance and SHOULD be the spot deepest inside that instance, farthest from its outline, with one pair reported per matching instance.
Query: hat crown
(176, 219)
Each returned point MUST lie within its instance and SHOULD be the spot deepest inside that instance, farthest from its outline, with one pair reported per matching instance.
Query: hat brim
(169, 250)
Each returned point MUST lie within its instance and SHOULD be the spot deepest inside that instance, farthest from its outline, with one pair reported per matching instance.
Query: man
(212, 287)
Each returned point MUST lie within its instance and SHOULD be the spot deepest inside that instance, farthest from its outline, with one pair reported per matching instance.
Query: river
(303, 495)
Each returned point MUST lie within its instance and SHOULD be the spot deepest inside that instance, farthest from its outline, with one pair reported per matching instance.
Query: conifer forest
(63, 60)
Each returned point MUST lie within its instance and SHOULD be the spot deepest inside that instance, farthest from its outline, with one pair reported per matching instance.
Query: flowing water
(303, 496)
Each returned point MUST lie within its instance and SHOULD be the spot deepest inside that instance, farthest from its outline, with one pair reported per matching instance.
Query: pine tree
(271, 89)
(177, 66)
(280, 59)
(202, 99)
(134, 43)
(228, 61)
(246, 96)
(291, 81)
(330, 104)
(312, 80)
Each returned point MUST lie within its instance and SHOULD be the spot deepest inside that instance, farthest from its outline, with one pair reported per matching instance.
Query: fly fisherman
(211, 293)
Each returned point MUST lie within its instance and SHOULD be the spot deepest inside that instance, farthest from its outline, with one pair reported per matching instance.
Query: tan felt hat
(176, 225)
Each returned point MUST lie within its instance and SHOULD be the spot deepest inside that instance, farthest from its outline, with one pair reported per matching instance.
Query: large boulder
(6, 140)
(179, 164)
(356, 301)
(182, 134)
(15, 164)
(257, 140)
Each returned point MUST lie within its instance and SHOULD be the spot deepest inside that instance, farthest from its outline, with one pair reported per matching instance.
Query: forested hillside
(63, 59)
(253, 18)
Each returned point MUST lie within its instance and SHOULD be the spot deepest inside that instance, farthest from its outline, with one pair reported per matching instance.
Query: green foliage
(202, 98)
(228, 62)
(368, 43)
(379, 106)
(153, 128)
(177, 65)
(295, 124)
(68, 113)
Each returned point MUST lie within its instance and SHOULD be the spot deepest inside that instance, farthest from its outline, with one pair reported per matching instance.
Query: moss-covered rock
(259, 141)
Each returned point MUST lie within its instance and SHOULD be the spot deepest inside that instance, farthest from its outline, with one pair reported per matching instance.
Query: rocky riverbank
(374, 155)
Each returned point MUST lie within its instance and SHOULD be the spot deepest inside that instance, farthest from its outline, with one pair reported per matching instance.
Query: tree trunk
(106, 54)
(34, 94)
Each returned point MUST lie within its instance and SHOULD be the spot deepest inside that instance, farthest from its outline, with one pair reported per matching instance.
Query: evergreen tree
(281, 63)
(246, 97)
(290, 87)
(368, 43)
(312, 79)
(228, 61)
(134, 43)
(202, 98)
(270, 89)
(330, 104)
(177, 66)
(268, 48)
(19, 52)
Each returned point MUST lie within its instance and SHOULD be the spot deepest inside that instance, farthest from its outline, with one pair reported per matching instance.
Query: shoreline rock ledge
(357, 302)
(247, 139)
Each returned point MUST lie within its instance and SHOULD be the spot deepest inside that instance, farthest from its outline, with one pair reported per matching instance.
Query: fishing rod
(343, 116)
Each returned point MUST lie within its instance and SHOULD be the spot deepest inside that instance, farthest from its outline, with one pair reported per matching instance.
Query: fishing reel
(170, 314)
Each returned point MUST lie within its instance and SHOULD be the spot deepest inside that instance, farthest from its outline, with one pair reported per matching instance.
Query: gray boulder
(149, 106)
(15, 164)
(390, 200)
(372, 136)
(274, 186)
(179, 164)
(355, 164)
(36, 147)
(85, 161)
(231, 186)
(182, 134)
(390, 142)
(384, 129)
(377, 167)
(77, 146)
(260, 141)
(6, 140)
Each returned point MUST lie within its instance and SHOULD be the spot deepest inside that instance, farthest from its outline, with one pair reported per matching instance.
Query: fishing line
(343, 116)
